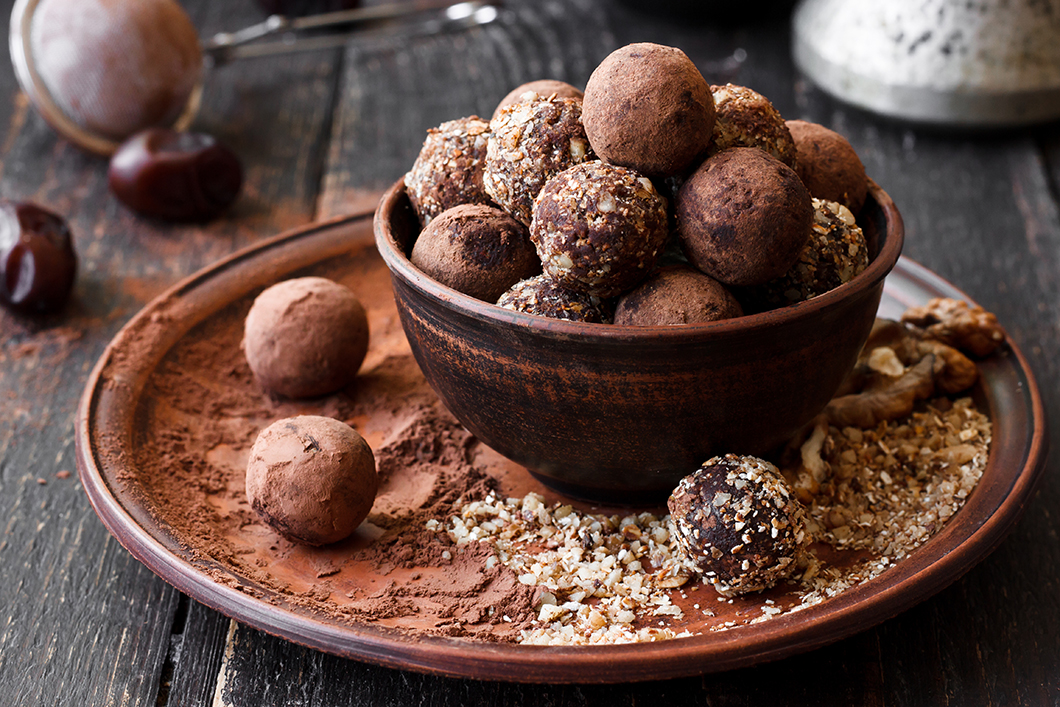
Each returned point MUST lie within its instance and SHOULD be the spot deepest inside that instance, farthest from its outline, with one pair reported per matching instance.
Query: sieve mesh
(115, 67)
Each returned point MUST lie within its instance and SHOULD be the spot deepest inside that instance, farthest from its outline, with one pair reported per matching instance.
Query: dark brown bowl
(620, 414)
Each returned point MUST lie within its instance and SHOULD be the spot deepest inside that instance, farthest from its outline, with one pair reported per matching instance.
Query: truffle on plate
(311, 478)
(476, 249)
(647, 107)
(543, 296)
(542, 88)
(448, 170)
(835, 253)
(739, 524)
(530, 142)
(305, 337)
(743, 216)
(746, 118)
(598, 228)
(828, 165)
(676, 294)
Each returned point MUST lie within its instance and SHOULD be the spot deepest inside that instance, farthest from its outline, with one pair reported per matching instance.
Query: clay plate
(271, 585)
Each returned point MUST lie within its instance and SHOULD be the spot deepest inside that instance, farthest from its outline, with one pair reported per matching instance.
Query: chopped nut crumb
(885, 490)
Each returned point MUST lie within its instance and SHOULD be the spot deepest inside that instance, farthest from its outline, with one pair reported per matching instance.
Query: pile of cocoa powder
(200, 413)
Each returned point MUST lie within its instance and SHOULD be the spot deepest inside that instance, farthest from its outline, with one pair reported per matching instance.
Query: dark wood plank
(82, 622)
(196, 651)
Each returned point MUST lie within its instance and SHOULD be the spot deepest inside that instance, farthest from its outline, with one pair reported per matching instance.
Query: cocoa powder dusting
(200, 413)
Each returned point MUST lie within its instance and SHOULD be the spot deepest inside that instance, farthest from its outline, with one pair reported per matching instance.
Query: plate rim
(781, 636)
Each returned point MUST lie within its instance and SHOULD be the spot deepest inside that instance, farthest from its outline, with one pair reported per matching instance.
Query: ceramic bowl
(620, 414)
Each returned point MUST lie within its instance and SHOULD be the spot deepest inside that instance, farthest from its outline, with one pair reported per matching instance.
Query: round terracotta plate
(163, 355)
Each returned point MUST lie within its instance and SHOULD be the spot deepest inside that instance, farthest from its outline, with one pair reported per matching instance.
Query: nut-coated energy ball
(476, 249)
(647, 107)
(543, 296)
(739, 524)
(530, 142)
(542, 88)
(743, 216)
(448, 170)
(746, 118)
(305, 337)
(312, 479)
(598, 228)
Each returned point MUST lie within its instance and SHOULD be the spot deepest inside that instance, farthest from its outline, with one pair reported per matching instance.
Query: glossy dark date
(37, 260)
(175, 176)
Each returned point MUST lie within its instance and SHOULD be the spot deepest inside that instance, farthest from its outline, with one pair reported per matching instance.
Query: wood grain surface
(82, 623)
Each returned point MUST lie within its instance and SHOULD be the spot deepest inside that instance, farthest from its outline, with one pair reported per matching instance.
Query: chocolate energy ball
(647, 107)
(828, 165)
(305, 337)
(598, 228)
(542, 88)
(746, 118)
(448, 170)
(743, 216)
(543, 296)
(835, 253)
(530, 142)
(739, 524)
(311, 478)
(476, 249)
(676, 295)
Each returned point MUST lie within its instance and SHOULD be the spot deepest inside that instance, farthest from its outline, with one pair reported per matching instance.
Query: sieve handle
(228, 46)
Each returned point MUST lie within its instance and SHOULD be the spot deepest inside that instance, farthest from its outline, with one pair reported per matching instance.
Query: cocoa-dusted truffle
(542, 88)
(647, 107)
(746, 118)
(476, 249)
(835, 253)
(598, 228)
(543, 296)
(743, 216)
(448, 170)
(676, 294)
(311, 478)
(530, 142)
(739, 524)
(828, 165)
(305, 337)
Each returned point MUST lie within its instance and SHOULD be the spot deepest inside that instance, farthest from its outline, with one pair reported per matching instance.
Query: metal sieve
(972, 63)
(99, 71)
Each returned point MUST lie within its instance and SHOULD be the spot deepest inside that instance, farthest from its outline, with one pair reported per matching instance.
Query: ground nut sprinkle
(617, 579)
(603, 577)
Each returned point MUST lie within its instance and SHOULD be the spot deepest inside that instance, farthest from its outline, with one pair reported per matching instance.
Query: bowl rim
(872, 277)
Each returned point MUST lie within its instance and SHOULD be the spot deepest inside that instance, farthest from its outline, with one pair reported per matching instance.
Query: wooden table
(84, 623)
